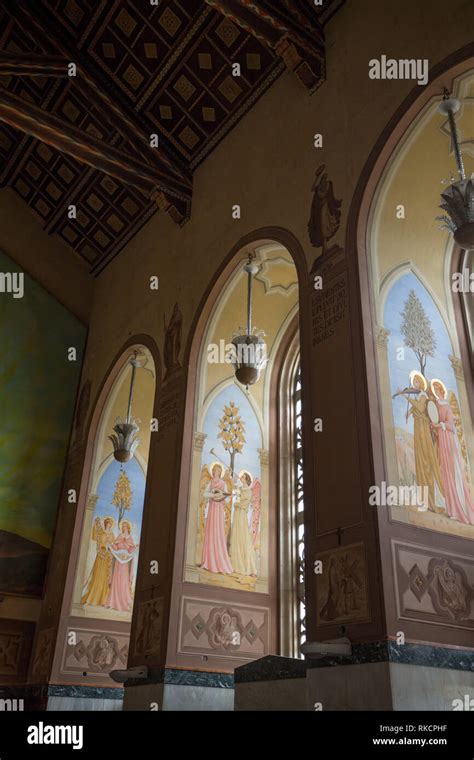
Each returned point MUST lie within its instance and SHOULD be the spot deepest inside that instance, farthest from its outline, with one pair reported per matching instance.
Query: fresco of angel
(459, 502)
(124, 550)
(431, 445)
(215, 493)
(242, 549)
(97, 584)
(428, 472)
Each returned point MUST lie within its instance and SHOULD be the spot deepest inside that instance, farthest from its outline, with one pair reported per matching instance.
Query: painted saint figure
(215, 556)
(97, 586)
(426, 463)
(124, 551)
(242, 552)
(172, 345)
(325, 211)
(459, 502)
(451, 591)
(329, 611)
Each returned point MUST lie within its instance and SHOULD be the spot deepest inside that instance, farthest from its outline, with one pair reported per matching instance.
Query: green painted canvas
(38, 386)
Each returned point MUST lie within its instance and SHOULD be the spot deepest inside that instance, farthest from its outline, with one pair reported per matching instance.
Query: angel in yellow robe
(428, 473)
(98, 583)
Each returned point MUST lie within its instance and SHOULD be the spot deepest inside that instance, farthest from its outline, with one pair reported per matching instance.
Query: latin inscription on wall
(170, 404)
(328, 307)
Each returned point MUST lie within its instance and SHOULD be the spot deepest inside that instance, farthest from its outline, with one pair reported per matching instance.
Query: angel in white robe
(242, 551)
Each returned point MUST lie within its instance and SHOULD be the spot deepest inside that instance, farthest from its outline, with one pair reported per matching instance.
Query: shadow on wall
(38, 385)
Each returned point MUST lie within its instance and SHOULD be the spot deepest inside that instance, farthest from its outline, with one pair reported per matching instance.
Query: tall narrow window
(299, 509)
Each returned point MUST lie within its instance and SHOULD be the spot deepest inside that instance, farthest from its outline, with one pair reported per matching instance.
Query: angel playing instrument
(432, 411)
(218, 495)
(211, 451)
(409, 390)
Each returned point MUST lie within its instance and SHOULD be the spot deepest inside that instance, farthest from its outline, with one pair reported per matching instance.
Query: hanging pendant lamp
(249, 347)
(459, 196)
(124, 439)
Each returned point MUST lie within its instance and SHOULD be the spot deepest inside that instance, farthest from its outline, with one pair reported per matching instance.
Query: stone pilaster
(262, 582)
(86, 531)
(381, 343)
(465, 410)
(194, 541)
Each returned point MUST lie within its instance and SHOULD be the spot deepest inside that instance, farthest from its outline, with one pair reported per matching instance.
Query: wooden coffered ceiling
(142, 68)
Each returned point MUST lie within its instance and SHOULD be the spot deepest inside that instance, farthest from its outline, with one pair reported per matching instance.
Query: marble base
(417, 687)
(350, 687)
(71, 704)
(183, 698)
(272, 695)
(144, 697)
(197, 698)
(172, 689)
(377, 676)
(374, 686)
(271, 683)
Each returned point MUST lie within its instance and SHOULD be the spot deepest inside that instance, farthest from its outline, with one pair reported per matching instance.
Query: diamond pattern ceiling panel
(167, 67)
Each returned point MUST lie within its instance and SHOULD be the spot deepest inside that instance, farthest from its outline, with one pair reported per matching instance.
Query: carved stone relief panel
(224, 629)
(433, 586)
(93, 651)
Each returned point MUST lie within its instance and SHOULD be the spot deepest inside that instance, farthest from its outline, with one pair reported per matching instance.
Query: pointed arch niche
(409, 261)
(116, 492)
(98, 601)
(235, 583)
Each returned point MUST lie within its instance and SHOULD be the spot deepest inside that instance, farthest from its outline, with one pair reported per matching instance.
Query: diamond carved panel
(224, 629)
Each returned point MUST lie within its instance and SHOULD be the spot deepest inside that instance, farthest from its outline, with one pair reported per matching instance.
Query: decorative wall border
(178, 677)
(407, 654)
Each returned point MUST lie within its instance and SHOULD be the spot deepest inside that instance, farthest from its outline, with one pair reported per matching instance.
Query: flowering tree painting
(417, 330)
(232, 432)
(122, 498)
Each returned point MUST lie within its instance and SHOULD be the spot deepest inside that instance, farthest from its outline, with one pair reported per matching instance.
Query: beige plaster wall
(58, 269)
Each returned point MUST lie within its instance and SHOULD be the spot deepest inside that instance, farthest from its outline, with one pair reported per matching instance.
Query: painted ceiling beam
(171, 174)
(14, 64)
(67, 138)
(29, 64)
(287, 30)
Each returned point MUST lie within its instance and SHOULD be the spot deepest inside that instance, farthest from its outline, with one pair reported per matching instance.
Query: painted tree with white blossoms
(418, 334)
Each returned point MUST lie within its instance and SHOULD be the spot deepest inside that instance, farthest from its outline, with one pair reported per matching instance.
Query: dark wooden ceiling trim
(85, 148)
(285, 31)
(14, 64)
(142, 70)
(174, 182)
